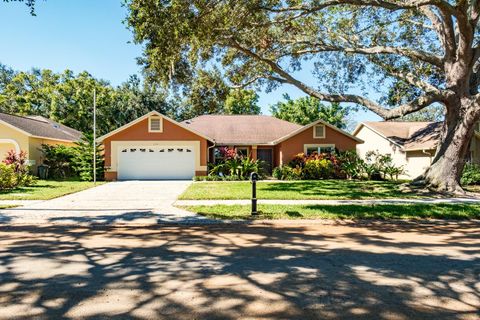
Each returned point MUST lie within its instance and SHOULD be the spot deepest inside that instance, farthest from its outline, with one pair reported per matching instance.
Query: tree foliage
(29, 3)
(208, 93)
(308, 109)
(242, 102)
(68, 98)
(431, 113)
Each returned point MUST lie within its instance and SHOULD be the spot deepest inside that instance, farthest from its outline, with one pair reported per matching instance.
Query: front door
(266, 156)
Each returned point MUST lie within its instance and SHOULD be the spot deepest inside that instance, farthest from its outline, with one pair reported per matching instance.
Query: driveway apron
(142, 202)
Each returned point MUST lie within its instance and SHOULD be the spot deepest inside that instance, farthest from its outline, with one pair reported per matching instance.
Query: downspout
(208, 151)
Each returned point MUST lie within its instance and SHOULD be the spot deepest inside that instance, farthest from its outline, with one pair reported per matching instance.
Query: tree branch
(406, 52)
(443, 26)
(391, 5)
(385, 113)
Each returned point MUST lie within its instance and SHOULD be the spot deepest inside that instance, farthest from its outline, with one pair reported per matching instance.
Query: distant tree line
(67, 98)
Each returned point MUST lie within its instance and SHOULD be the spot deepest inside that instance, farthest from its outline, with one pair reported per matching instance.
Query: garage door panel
(154, 163)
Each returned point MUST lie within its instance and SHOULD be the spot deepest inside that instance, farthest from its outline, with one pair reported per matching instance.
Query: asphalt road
(376, 270)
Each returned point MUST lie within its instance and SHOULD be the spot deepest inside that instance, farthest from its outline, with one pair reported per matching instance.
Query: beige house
(28, 133)
(410, 144)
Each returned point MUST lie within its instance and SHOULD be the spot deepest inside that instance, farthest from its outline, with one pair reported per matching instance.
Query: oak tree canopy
(393, 57)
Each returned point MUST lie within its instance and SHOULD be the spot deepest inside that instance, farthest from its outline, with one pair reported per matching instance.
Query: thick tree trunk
(446, 169)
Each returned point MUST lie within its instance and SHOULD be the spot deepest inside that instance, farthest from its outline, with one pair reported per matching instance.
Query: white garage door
(155, 163)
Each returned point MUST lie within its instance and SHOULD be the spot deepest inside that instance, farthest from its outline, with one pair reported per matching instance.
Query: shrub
(235, 167)
(471, 174)
(66, 162)
(351, 165)
(338, 165)
(318, 169)
(58, 158)
(287, 173)
(8, 178)
(15, 172)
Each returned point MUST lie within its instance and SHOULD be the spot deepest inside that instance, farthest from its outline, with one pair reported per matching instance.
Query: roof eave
(379, 133)
(299, 130)
(145, 116)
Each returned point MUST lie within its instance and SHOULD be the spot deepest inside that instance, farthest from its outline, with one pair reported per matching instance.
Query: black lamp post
(254, 179)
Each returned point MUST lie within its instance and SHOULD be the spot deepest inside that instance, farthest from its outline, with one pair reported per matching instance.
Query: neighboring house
(410, 144)
(28, 133)
(157, 147)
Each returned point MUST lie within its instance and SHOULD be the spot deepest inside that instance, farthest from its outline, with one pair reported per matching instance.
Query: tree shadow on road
(241, 271)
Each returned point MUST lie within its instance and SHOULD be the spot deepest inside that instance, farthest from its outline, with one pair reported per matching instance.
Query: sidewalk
(328, 202)
(19, 203)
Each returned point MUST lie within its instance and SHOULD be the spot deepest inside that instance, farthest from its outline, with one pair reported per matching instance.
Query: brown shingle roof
(241, 129)
(41, 127)
(410, 135)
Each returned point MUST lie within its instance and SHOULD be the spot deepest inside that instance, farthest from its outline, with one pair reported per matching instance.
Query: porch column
(253, 153)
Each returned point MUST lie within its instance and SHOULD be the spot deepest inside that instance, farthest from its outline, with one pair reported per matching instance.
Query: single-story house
(28, 133)
(410, 144)
(157, 147)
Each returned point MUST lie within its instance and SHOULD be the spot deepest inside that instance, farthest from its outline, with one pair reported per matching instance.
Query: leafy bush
(8, 178)
(471, 174)
(316, 169)
(338, 165)
(58, 158)
(287, 173)
(234, 167)
(381, 166)
(351, 164)
(15, 172)
(66, 162)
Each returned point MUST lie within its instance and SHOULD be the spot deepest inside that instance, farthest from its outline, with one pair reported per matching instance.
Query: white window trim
(149, 123)
(306, 146)
(315, 131)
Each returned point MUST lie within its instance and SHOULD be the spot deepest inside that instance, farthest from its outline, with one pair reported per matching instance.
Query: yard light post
(253, 179)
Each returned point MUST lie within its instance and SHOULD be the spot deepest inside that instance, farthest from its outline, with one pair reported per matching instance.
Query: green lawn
(46, 189)
(294, 190)
(412, 211)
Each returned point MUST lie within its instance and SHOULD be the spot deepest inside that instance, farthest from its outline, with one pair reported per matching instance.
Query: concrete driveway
(140, 202)
(376, 270)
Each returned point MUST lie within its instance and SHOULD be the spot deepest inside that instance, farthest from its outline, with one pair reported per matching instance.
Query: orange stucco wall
(286, 150)
(139, 132)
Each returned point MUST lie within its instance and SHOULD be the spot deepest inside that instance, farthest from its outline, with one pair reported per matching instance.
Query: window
(319, 131)
(154, 124)
(242, 151)
(321, 148)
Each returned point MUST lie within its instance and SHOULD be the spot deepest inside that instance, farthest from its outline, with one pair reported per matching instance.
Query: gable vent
(319, 131)
(155, 124)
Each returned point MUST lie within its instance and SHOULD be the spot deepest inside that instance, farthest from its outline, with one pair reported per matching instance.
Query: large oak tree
(411, 54)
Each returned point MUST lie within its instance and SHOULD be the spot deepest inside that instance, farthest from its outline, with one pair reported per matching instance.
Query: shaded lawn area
(298, 190)
(396, 211)
(46, 189)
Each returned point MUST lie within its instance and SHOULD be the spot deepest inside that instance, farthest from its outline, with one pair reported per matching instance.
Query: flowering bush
(342, 165)
(234, 166)
(316, 169)
(14, 171)
(228, 153)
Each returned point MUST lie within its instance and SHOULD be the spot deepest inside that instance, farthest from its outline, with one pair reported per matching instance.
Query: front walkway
(132, 202)
(329, 202)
